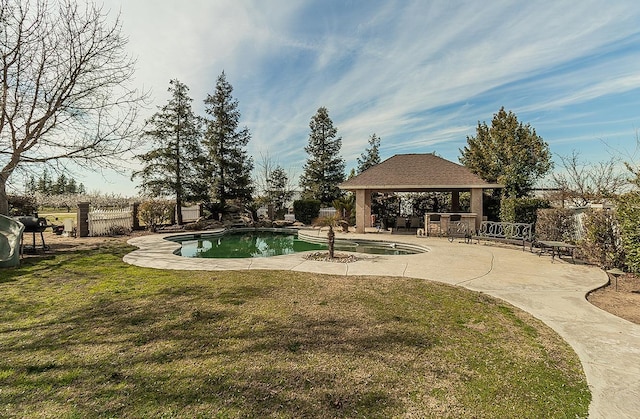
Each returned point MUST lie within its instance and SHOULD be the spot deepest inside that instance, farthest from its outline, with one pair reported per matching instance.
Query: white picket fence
(327, 212)
(191, 213)
(110, 222)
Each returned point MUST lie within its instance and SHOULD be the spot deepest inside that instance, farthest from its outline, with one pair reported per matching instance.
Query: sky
(420, 74)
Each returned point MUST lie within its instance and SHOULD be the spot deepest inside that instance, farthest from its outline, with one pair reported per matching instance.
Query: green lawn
(84, 335)
(58, 218)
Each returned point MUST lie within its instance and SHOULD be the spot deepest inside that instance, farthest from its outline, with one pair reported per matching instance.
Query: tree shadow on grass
(159, 355)
(235, 347)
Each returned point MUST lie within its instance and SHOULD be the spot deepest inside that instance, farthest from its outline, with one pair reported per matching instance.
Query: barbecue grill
(34, 225)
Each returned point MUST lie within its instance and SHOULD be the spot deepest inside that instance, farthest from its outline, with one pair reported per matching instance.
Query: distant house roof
(414, 172)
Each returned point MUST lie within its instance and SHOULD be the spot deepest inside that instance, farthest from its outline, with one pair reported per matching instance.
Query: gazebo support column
(363, 210)
(455, 201)
(476, 205)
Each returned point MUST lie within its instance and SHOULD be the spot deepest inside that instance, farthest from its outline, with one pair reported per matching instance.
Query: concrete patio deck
(608, 347)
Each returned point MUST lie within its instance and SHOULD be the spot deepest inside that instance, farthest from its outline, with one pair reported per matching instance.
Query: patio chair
(401, 222)
(458, 228)
(415, 222)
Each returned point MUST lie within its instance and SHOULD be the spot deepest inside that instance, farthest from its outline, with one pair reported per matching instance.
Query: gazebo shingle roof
(406, 172)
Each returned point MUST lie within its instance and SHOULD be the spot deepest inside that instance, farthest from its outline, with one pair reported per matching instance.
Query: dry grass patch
(85, 335)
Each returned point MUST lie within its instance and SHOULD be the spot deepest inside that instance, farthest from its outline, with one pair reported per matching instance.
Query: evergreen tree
(229, 165)
(173, 166)
(508, 152)
(371, 155)
(31, 185)
(71, 187)
(324, 168)
(60, 186)
(278, 191)
(45, 183)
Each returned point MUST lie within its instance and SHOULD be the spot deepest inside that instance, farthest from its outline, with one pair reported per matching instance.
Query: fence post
(83, 219)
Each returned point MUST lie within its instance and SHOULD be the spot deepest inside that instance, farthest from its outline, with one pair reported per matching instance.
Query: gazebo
(415, 173)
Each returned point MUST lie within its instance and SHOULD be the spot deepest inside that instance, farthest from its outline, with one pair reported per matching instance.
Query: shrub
(491, 206)
(601, 243)
(155, 212)
(556, 224)
(22, 205)
(345, 208)
(628, 214)
(521, 210)
(213, 209)
(306, 210)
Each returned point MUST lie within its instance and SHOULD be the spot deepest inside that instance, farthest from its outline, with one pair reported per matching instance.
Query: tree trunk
(332, 241)
(179, 210)
(4, 200)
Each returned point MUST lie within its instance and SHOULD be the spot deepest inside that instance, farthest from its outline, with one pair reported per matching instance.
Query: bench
(514, 233)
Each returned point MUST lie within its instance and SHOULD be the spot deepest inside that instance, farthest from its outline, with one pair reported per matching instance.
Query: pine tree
(173, 166)
(71, 187)
(371, 155)
(230, 166)
(45, 183)
(31, 185)
(60, 186)
(278, 190)
(324, 168)
(508, 152)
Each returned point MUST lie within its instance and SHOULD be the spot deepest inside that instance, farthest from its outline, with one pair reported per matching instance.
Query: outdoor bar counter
(433, 227)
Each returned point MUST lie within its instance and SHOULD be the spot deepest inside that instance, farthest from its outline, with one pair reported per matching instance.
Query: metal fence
(110, 222)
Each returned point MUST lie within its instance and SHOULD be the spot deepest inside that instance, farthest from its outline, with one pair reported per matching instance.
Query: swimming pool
(256, 243)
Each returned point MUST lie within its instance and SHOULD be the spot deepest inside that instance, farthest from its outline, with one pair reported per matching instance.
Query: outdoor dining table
(556, 248)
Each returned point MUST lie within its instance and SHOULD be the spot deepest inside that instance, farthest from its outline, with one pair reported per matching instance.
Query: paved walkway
(609, 347)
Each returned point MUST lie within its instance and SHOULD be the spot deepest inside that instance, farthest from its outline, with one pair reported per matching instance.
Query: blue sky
(419, 74)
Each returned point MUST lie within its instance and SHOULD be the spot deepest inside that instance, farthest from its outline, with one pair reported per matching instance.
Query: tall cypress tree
(230, 166)
(324, 168)
(173, 166)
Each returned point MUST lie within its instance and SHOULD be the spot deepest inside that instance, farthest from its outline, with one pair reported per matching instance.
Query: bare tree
(581, 183)
(632, 164)
(64, 88)
(271, 181)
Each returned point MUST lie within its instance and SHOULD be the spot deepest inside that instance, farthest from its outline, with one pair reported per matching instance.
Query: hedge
(601, 242)
(521, 210)
(306, 210)
(629, 220)
(556, 224)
